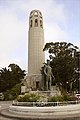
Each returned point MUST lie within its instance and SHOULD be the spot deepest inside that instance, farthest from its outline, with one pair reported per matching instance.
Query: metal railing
(44, 104)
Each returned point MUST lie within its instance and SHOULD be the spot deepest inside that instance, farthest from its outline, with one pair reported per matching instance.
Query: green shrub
(12, 93)
(69, 98)
(56, 99)
(29, 97)
(66, 97)
(62, 98)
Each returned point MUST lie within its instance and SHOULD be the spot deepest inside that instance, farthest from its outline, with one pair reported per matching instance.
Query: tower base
(33, 82)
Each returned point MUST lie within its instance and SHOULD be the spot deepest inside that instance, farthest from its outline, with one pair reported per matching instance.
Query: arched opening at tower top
(36, 13)
(31, 23)
(36, 23)
(41, 23)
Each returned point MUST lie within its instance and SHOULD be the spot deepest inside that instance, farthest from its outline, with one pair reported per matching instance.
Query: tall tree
(63, 63)
(16, 72)
(10, 77)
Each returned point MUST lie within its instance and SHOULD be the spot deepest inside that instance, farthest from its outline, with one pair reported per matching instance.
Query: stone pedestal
(34, 83)
(23, 89)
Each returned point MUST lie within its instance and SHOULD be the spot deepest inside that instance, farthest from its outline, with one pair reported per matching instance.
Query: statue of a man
(49, 75)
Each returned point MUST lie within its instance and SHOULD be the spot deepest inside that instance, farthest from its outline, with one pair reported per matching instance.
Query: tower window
(41, 17)
(37, 85)
(40, 23)
(36, 23)
(40, 13)
(36, 13)
(31, 16)
(31, 23)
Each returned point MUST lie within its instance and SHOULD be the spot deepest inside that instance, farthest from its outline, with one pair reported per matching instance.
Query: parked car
(77, 96)
(1, 96)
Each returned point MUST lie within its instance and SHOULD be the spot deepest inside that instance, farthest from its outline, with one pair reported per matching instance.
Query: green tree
(10, 77)
(4, 79)
(63, 63)
(13, 92)
(17, 73)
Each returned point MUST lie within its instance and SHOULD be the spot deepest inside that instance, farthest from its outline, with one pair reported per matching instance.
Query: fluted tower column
(36, 55)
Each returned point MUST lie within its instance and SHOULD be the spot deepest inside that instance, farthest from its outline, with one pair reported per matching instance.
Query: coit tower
(36, 55)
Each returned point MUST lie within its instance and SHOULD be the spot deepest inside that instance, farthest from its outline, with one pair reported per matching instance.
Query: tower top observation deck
(35, 19)
(35, 13)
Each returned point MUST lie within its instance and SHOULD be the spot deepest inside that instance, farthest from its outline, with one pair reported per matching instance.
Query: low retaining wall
(42, 111)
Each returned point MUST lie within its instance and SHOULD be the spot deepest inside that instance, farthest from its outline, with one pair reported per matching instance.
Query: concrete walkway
(69, 112)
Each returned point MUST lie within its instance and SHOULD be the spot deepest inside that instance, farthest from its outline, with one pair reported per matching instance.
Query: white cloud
(14, 27)
(55, 33)
(12, 34)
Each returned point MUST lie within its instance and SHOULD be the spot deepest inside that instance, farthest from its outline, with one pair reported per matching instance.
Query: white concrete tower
(36, 55)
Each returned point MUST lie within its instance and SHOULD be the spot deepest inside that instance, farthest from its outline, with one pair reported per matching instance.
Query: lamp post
(78, 70)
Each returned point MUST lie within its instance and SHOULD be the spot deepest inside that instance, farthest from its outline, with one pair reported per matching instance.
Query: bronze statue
(48, 74)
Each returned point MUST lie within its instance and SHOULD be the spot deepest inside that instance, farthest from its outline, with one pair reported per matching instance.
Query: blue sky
(61, 23)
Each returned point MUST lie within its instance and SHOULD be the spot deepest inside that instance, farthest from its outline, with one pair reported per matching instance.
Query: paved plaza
(5, 105)
(68, 112)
